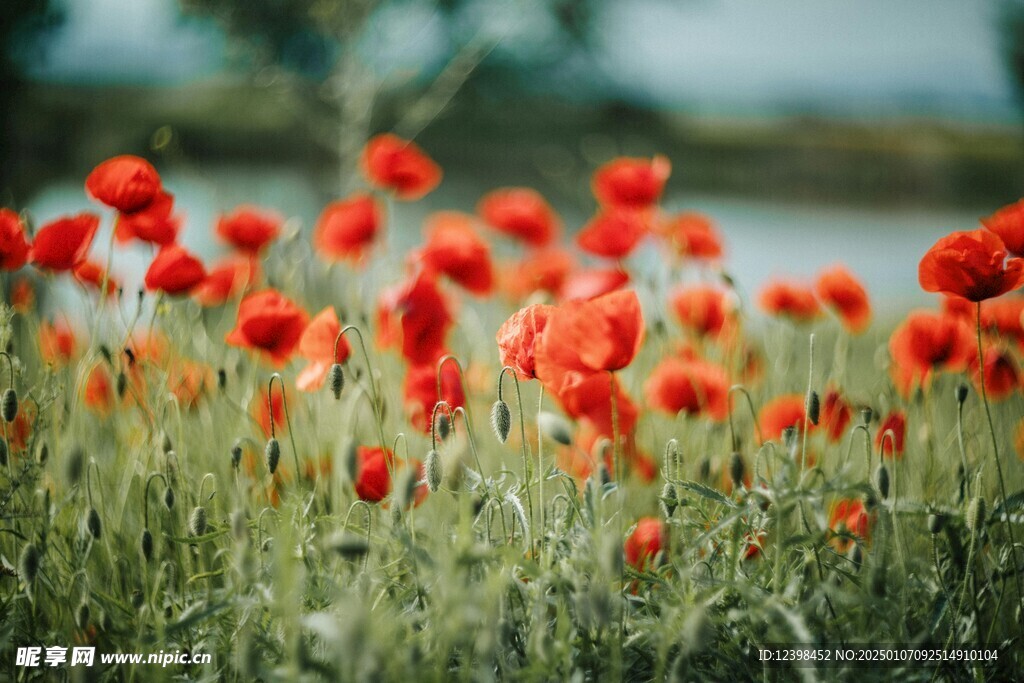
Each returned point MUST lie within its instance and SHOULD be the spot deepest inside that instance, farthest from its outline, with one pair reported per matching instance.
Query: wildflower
(592, 283)
(57, 342)
(373, 481)
(454, 249)
(126, 183)
(781, 412)
(631, 182)
(270, 324)
(845, 295)
(99, 390)
(392, 163)
(522, 213)
(91, 273)
(849, 516)
(317, 345)
(704, 309)
(972, 265)
(348, 227)
(23, 297)
(420, 392)
(249, 229)
(789, 299)
(414, 316)
(588, 396)
(155, 223)
(224, 281)
(539, 270)
(64, 243)
(691, 386)
(835, 415)
(501, 420)
(613, 234)
(896, 421)
(601, 334)
(14, 246)
(925, 343)
(1008, 224)
(174, 271)
(1002, 377)
(645, 542)
(517, 338)
(693, 235)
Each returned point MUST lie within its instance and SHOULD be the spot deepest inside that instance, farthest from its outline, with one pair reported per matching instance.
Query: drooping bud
(336, 380)
(28, 563)
(74, 465)
(443, 425)
(122, 384)
(555, 428)
(789, 438)
(350, 546)
(222, 378)
(882, 481)
(737, 468)
(501, 420)
(236, 454)
(272, 455)
(976, 514)
(405, 488)
(169, 498)
(434, 470)
(197, 521)
(669, 500)
(865, 416)
(42, 453)
(936, 522)
(167, 445)
(813, 407)
(10, 405)
(855, 555)
(961, 393)
(137, 599)
(92, 523)
(146, 543)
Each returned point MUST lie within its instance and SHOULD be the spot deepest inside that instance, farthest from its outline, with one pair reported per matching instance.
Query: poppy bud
(434, 471)
(882, 481)
(350, 462)
(167, 445)
(105, 352)
(92, 523)
(936, 522)
(350, 546)
(443, 426)
(272, 454)
(669, 500)
(961, 393)
(28, 563)
(603, 475)
(405, 488)
(789, 438)
(43, 454)
(855, 555)
(82, 615)
(197, 521)
(130, 355)
(169, 497)
(137, 599)
(222, 378)
(976, 514)
(3, 452)
(517, 509)
(10, 405)
(813, 407)
(336, 380)
(704, 469)
(865, 416)
(501, 420)
(555, 428)
(146, 543)
(236, 454)
(122, 384)
(736, 469)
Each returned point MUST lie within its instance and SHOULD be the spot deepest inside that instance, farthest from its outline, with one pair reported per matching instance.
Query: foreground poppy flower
(790, 300)
(420, 392)
(348, 227)
(845, 295)
(691, 386)
(14, 247)
(373, 479)
(1008, 223)
(126, 183)
(592, 283)
(848, 516)
(704, 309)
(1002, 377)
(517, 339)
(836, 415)
(317, 345)
(896, 421)
(154, 223)
(972, 265)
(631, 183)
(224, 281)
(455, 249)
(392, 163)
(540, 270)
(521, 213)
(64, 243)
(645, 542)
(174, 271)
(90, 273)
(782, 412)
(249, 228)
(693, 235)
(603, 333)
(414, 316)
(588, 397)
(57, 343)
(269, 323)
(612, 234)
(927, 342)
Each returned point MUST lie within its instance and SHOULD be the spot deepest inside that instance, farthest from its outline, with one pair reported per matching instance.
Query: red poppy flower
(927, 342)
(414, 316)
(706, 310)
(782, 412)
(613, 234)
(592, 283)
(270, 324)
(64, 243)
(587, 396)
(835, 415)
(691, 386)
(959, 307)
(392, 163)
(540, 270)
(23, 297)
(972, 265)
(848, 516)
(188, 381)
(347, 228)
(1008, 223)
(1005, 315)
(373, 481)
(263, 410)
(1002, 377)
(789, 299)
(317, 345)
(517, 338)
(154, 223)
(843, 293)
(631, 183)
(693, 235)
(603, 333)
(14, 247)
(249, 228)
(174, 271)
(897, 422)
(57, 343)
(91, 273)
(645, 542)
(99, 390)
(224, 281)
(455, 249)
(420, 392)
(126, 183)
(521, 213)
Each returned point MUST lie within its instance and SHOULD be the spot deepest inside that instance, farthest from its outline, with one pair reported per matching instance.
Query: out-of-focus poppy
(348, 227)
(188, 381)
(249, 228)
(927, 342)
(790, 300)
(849, 516)
(1008, 223)
(691, 386)
(453, 248)
(693, 235)
(1005, 315)
(392, 163)
(1002, 376)
(645, 542)
(845, 295)
(896, 421)
(23, 297)
(420, 392)
(631, 182)
(263, 410)
(57, 343)
(972, 265)
(317, 345)
(588, 397)
(126, 183)
(64, 243)
(224, 281)
(91, 273)
(154, 223)
(517, 339)
(174, 271)
(373, 478)
(835, 415)
(269, 323)
(603, 333)
(705, 309)
(14, 247)
(592, 283)
(414, 316)
(522, 213)
(613, 234)
(539, 270)
(98, 393)
(781, 412)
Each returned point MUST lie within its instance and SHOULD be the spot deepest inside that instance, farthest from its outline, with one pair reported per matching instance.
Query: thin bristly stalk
(807, 418)
(287, 418)
(373, 383)
(525, 445)
(540, 474)
(753, 413)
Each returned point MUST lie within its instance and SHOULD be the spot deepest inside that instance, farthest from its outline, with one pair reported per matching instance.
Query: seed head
(813, 407)
(882, 481)
(555, 428)
(28, 563)
(501, 420)
(10, 405)
(92, 523)
(197, 521)
(336, 380)
(146, 543)
(272, 455)
(434, 470)
(169, 498)
(976, 514)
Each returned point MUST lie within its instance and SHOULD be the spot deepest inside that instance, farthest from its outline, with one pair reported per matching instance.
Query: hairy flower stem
(807, 418)
(753, 416)
(963, 450)
(540, 474)
(522, 433)
(379, 419)
(103, 286)
(287, 419)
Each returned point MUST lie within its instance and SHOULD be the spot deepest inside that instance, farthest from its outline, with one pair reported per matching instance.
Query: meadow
(509, 454)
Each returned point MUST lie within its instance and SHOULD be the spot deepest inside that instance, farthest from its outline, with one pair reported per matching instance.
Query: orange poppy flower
(848, 516)
(613, 234)
(64, 243)
(1002, 376)
(347, 228)
(926, 342)
(414, 316)
(691, 386)
(317, 345)
(14, 247)
(174, 271)
(91, 273)
(420, 392)
(99, 390)
(601, 334)
(592, 283)
(154, 223)
(897, 422)
(23, 297)
(693, 235)
(126, 183)
(782, 412)
(270, 324)
(455, 249)
(522, 213)
(57, 343)
(188, 381)
(835, 415)
(972, 265)
(789, 299)
(249, 228)
(705, 309)
(845, 295)
(1008, 223)
(517, 339)
(540, 270)
(392, 163)
(630, 182)
(224, 281)
(645, 542)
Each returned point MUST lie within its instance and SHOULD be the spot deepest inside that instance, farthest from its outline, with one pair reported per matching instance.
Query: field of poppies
(514, 453)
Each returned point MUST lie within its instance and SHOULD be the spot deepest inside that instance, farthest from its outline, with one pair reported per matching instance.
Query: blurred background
(812, 131)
